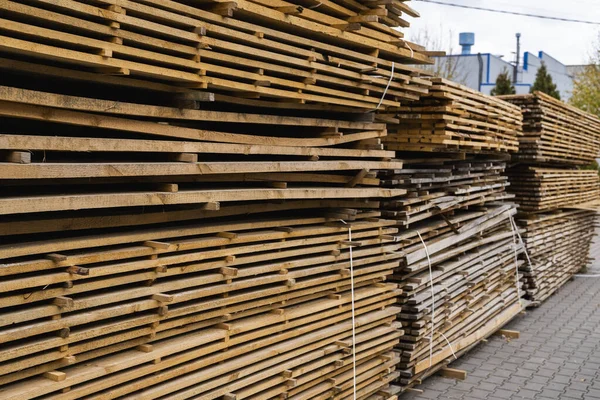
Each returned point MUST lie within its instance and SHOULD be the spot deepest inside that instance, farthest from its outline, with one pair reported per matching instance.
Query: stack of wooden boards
(457, 288)
(191, 203)
(333, 52)
(453, 117)
(459, 272)
(249, 308)
(549, 183)
(539, 189)
(437, 187)
(555, 132)
(558, 243)
(113, 154)
(131, 267)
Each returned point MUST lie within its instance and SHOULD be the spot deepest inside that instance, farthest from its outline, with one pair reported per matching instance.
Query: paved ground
(557, 356)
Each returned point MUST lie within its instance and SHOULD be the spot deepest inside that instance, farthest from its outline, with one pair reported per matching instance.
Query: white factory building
(479, 71)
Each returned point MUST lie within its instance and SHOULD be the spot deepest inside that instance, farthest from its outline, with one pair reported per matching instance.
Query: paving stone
(478, 393)
(542, 380)
(497, 380)
(517, 380)
(578, 385)
(536, 387)
(527, 394)
(431, 394)
(503, 394)
(593, 393)
(554, 394)
(561, 379)
(487, 386)
(573, 394)
(556, 386)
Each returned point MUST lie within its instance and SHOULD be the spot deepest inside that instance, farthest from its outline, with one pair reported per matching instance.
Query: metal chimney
(466, 40)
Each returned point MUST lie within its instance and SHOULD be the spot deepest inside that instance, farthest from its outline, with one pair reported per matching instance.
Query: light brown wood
(511, 334)
(453, 373)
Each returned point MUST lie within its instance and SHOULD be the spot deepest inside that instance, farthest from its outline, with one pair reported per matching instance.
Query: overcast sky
(570, 43)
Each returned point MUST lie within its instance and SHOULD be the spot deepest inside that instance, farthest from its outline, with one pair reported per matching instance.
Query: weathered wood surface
(540, 188)
(216, 308)
(558, 244)
(453, 117)
(341, 53)
(437, 187)
(555, 132)
(472, 284)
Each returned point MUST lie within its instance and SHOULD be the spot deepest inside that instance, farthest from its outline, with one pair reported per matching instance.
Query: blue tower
(466, 40)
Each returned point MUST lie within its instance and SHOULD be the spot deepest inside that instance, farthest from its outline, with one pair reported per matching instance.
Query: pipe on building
(480, 58)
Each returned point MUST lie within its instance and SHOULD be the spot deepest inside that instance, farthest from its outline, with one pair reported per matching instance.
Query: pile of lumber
(191, 203)
(558, 245)
(149, 249)
(538, 189)
(331, 52)
(255, 307)
(452, 117)
(437, 187)
(459, 272)
(550, 184)
(555, 132)
(112, 154)
(460, 283)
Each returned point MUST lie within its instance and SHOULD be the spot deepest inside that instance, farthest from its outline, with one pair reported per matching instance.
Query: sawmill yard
(269, 199)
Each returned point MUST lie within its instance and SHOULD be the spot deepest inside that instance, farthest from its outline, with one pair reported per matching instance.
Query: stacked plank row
(559, 244)
(540, 189)
(453, 117)
(470, 290)
(555, 132)
(99, 150)
(459, 269)
(191, 198)
(257, 308)
(551, 186)
(131, 267)
(338, 54)
(439, 187)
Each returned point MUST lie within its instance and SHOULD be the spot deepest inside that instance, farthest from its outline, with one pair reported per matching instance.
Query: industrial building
(480, 70)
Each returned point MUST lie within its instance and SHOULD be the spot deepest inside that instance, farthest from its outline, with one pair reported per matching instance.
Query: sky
(570, 43)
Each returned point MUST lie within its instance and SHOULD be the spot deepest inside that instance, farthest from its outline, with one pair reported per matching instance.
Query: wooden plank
(454, 373)
(16, 205)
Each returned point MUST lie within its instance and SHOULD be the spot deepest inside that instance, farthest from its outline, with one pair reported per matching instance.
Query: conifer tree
(504, 85)
(543, 83)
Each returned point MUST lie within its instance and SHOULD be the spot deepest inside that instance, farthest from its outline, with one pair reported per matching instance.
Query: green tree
(586, 87)
(543, 83)
(504, 85)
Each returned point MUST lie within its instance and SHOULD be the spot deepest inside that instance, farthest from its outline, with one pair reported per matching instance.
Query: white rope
(586, 276)
(412, 53)
(387, 87)
(432, 300)
(516, 228)
(353, 313)
(451, 349)
(433, 307)
(512, 227)
(315, 6)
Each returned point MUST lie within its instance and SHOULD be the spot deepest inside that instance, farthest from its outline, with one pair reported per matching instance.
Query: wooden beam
(453, 373)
